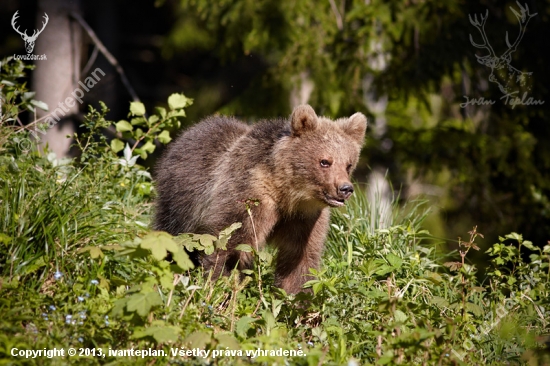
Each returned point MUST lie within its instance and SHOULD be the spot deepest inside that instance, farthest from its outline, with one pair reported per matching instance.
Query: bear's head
(319, 156)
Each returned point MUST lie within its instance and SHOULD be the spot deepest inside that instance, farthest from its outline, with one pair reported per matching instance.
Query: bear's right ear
(303, 119)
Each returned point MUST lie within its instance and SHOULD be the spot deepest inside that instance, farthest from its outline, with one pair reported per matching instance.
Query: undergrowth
(81, 269)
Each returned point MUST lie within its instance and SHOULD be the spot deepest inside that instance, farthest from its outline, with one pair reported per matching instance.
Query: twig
(539, 312)
(187, 303)
(339, 21)
(176, 280)
(91, 61)
(112, 60)
(256, 252)
(235, 289)
(146, 134)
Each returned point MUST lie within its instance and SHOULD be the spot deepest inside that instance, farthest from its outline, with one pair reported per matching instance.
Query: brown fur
(297, 169)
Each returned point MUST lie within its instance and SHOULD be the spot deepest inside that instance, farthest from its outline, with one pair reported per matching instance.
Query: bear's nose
(345, 189)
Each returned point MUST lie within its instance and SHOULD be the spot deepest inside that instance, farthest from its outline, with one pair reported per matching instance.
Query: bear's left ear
(303, 119)
(355, 127)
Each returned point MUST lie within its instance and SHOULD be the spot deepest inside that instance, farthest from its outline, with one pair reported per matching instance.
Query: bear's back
(204, 143)
(185, 170)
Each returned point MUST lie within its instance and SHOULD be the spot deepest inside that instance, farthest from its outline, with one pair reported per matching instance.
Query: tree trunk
(55, 78)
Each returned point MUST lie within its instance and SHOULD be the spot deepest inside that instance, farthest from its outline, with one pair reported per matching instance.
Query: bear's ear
(303, 119)
(355, 127)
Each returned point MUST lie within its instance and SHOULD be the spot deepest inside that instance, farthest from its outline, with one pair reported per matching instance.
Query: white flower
(128, 159)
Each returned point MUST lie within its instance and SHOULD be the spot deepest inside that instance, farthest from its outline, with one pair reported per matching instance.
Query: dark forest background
(408, 65)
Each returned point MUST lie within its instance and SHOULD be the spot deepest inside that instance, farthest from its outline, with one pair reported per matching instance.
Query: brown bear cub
(296, 169)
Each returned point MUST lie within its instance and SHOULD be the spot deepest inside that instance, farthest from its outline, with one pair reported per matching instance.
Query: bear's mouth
(334, 202)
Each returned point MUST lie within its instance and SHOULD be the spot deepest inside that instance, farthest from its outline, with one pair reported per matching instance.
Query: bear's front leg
(256, 226)
(222, 262)
(300, 242)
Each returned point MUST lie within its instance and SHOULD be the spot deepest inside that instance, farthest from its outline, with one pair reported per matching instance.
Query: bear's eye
(348, 168)
(325, 163)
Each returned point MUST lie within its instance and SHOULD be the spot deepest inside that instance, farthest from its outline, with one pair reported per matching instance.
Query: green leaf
(137, 108)
(439, 301)
(4, 238)
(118, 307)
(27, 95)
(161, 111)
(228, 231)
(225, 235)
(317, 287)
(243, 325)
(400, 316)
(206, 240)
(153, 119)
(138, 133)
(368, 268)
(139, 121)
(182, 260)
(198, 339)
(514, 236)
(384, 269)
(149, 147)
(164, 137)
(475, 309)
(310, 283)
(123, 126)
(159, 243)
(377, 294)
(117, 145)
(265, 256)
(269, 320)
(176, 113)
(161, 334)
(177, 101)
(276, 306)
(6, 82)
(142, 153)
(166, 277)
(394, 260)
(96, 252)
(39, 104)
(529, 245)
(434, 277)
(142, 303)
(226, 340)
(39, 263)
(244, 248)
(187, 241)
(331, 288)
(386, 358)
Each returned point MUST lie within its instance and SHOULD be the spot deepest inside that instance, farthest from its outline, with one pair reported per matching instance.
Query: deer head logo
(29, 40)
(509, 79)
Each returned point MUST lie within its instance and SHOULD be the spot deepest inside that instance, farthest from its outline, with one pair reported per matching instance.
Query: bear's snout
(345, 190)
